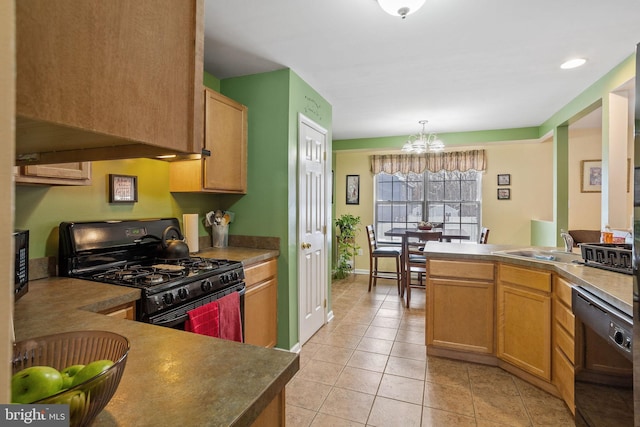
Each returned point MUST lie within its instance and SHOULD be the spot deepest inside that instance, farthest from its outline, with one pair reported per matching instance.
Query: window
(452, 199)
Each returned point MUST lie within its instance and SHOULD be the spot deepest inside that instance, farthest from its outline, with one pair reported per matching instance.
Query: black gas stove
(130, 253)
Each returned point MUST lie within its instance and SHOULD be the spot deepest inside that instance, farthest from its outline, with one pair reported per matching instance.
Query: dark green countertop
(614, 288)
(171, 377)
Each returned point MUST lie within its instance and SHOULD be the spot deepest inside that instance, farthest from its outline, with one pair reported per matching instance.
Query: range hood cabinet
(103, 80)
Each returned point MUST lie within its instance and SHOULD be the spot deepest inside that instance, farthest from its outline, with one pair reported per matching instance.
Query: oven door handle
(182, 313)
(170, 323)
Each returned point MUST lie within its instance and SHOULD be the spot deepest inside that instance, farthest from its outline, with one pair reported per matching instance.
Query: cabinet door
(226, 138)
(107, 80)
(524, 329)
(462, 319)
(78, 173)
(124, 311)
(260, 317)
(261, 304)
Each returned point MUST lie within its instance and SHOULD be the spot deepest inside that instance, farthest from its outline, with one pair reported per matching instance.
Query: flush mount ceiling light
(422, 143)
(400, 8)
(573, 63)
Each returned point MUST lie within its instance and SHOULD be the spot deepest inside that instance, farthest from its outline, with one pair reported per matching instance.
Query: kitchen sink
(543, 255)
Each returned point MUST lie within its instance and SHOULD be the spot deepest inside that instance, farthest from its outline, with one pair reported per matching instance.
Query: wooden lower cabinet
(274, 414)
(460, 306)
(524, 319)
(563, 342)
(125, 311)
(261, 304)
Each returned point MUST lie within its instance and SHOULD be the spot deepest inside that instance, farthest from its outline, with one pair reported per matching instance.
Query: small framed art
(353, 189)
(504, 179)
(504, 193)
(123, 188)
(591, 176)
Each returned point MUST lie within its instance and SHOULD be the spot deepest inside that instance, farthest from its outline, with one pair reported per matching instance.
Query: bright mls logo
(34, 415)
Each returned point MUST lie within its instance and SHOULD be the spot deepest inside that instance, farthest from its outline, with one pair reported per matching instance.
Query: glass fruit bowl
(59, 351)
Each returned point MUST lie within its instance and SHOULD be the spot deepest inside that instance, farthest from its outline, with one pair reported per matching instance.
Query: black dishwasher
(603, 362)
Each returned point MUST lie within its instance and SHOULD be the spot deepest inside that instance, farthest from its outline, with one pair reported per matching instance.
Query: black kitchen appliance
(604, 355)
(608, 256)
(131, 253)
(21, 263)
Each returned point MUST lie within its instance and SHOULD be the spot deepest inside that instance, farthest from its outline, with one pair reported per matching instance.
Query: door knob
(306, 245)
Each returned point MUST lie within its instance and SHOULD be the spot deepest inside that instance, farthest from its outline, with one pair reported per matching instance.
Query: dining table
(448, 235)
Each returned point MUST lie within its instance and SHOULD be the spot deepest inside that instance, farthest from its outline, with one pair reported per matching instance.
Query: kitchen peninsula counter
(171, 376)
(615, 288)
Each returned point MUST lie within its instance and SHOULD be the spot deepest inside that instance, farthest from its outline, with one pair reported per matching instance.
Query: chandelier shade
(423, 142)
(400, 8)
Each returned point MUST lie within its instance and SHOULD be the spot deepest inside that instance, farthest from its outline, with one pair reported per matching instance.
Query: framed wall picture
(353, 189)
(504, 193)
(591, 176)
(123, 188)
(504, 179)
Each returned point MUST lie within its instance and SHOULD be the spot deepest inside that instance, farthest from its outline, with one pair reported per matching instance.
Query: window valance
(434, 162)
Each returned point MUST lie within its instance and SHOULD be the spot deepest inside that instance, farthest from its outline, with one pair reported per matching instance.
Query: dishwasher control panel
(621, 336)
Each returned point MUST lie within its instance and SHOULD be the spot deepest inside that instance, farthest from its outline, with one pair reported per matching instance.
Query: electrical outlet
(359, 251)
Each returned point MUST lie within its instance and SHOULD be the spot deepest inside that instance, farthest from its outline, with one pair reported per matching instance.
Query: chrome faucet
(568, 241)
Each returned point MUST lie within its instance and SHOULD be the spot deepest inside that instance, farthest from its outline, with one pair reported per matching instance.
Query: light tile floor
(369, 367)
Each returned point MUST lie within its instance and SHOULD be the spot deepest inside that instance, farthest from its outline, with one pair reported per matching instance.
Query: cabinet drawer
(564, 341)
(562, 291)
(563, 374)
(461, 269)
(564, 317)
(260, 272)
(533, 279)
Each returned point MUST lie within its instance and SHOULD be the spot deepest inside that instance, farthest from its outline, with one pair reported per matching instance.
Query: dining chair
(484, 235)
(415, 259)
(376, 252)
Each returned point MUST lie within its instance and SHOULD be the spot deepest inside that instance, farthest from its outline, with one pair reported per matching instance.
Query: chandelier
(400, 8)
(422, 143)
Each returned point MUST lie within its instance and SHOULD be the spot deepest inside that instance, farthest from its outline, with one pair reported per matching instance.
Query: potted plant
(347, 225)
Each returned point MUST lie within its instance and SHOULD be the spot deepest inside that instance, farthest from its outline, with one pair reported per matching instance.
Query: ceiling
(463, 65)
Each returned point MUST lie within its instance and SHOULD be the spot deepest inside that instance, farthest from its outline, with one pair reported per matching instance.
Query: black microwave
(21, 258)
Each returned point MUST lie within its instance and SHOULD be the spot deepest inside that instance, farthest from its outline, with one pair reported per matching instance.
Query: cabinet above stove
(101, 81)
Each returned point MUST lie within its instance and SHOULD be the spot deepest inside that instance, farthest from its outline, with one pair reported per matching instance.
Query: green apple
(35, 383)
(78, 405)
(90, 370)
(68, 373)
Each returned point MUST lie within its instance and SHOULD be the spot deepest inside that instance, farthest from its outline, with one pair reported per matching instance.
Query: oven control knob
(168, 298)
(206, 285)
(224, 278)
(618, 337)
(627, 343)
(183, 293)
(235, 275)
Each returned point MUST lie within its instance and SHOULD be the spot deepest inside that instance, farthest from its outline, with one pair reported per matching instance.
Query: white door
(312, 227)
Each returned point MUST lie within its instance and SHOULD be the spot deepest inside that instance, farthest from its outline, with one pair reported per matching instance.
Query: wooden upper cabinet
(99, 80)
(55, 174)
(225, 170)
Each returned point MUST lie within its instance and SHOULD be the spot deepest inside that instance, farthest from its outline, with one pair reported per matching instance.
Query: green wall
(41, 208)
(274, 100)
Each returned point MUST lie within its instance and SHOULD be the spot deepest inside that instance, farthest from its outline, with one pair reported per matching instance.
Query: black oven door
(176, 317)
(603, 363)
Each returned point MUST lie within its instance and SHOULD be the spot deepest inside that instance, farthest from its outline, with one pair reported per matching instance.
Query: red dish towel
(230, 321)
(204, 320)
